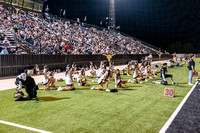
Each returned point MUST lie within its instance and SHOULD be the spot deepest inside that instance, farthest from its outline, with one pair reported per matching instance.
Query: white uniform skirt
(45, 81)
(135, 75)
(68, 81)
(100, 80)
(100, 73)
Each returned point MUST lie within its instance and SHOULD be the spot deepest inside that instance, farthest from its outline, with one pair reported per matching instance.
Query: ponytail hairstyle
(82, 70)
(117, 72)
(67, 70)
(51, 73)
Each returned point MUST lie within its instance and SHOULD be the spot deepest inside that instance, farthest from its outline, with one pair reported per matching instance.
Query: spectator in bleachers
(12, 51)
(6, 43)
(63, 37)
(4, 51)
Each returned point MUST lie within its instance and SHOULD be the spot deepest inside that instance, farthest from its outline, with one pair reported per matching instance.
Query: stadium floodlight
(112, 24)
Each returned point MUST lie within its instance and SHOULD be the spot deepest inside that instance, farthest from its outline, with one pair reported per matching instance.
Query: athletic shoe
(92, 88)
(20, 98)
(146, 80)
(190, 84)
(79, 84)
(92, 81)
(128, 75)
(153, 82)
(150, 77)
(129, 81)
(140, 82)
(73, 89)
(60, 89)
(107, 90)
(173, 83)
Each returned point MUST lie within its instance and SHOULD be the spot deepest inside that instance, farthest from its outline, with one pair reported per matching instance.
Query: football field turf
(137, 108)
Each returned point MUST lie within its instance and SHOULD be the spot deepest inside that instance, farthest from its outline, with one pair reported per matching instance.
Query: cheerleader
(92, 70)
(103, 80)
(144, 71)
(75, 69)
(150, 71)
(36, 70)
(81, 80)
(102, 64)
(68, 80)
(51, 82)
(45, 75)
(127, 68)
(136, 70)
(118, 81)
(111, 67)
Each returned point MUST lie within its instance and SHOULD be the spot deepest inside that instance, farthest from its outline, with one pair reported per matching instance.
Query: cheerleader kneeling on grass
(103, 80)
(136, 70)
(68, 80)
(50, 85)
(118, 81)
(92, 70)
(127, 68)
(81, 80)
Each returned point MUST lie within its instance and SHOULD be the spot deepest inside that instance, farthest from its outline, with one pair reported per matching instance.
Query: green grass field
(138, 108)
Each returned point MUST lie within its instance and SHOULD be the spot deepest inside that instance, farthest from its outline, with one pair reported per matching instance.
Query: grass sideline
(138, 108)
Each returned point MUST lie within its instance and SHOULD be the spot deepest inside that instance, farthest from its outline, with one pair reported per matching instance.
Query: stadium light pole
(112, 23)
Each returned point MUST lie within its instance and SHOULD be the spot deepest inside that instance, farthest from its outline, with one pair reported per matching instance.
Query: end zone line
(24, 127)
(168, 123)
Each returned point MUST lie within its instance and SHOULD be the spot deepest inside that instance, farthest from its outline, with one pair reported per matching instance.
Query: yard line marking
(24, 127)
(168, 123)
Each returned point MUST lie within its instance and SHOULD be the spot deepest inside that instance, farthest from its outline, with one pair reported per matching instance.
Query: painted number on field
(169, 92)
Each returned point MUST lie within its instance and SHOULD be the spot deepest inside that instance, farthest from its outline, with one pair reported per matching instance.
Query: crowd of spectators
(64, 37)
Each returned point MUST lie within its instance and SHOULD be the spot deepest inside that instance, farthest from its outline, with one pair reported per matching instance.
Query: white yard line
(24, 127)
(170, 120)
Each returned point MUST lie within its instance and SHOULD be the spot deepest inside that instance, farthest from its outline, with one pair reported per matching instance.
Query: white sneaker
(92, 81)
(150, 77)
(79, 84)
(129, 81)
(140, 82)
(92, 88)
(146, 80)
(154, 82)
(60, 89)
(190, 84)
(107, 90)
(128, 75)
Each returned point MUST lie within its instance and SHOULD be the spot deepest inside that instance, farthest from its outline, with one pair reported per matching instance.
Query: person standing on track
(191, 67)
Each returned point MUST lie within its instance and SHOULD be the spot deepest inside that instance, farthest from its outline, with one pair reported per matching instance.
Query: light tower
(112, 24)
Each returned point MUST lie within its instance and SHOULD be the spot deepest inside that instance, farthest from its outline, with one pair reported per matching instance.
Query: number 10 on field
(169, 92)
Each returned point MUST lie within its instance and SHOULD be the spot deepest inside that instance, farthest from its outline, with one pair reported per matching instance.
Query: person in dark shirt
(191, 67)
(27, 82)
(12, 51)
(164, 75)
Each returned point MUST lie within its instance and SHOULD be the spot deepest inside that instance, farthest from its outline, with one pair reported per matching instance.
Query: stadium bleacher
(36, 35)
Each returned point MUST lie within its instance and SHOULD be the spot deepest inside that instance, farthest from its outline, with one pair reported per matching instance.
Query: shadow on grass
(127, 89)
(82, 88)
(134, 86)
(178, 96)
(48, 99)
(183, 83)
